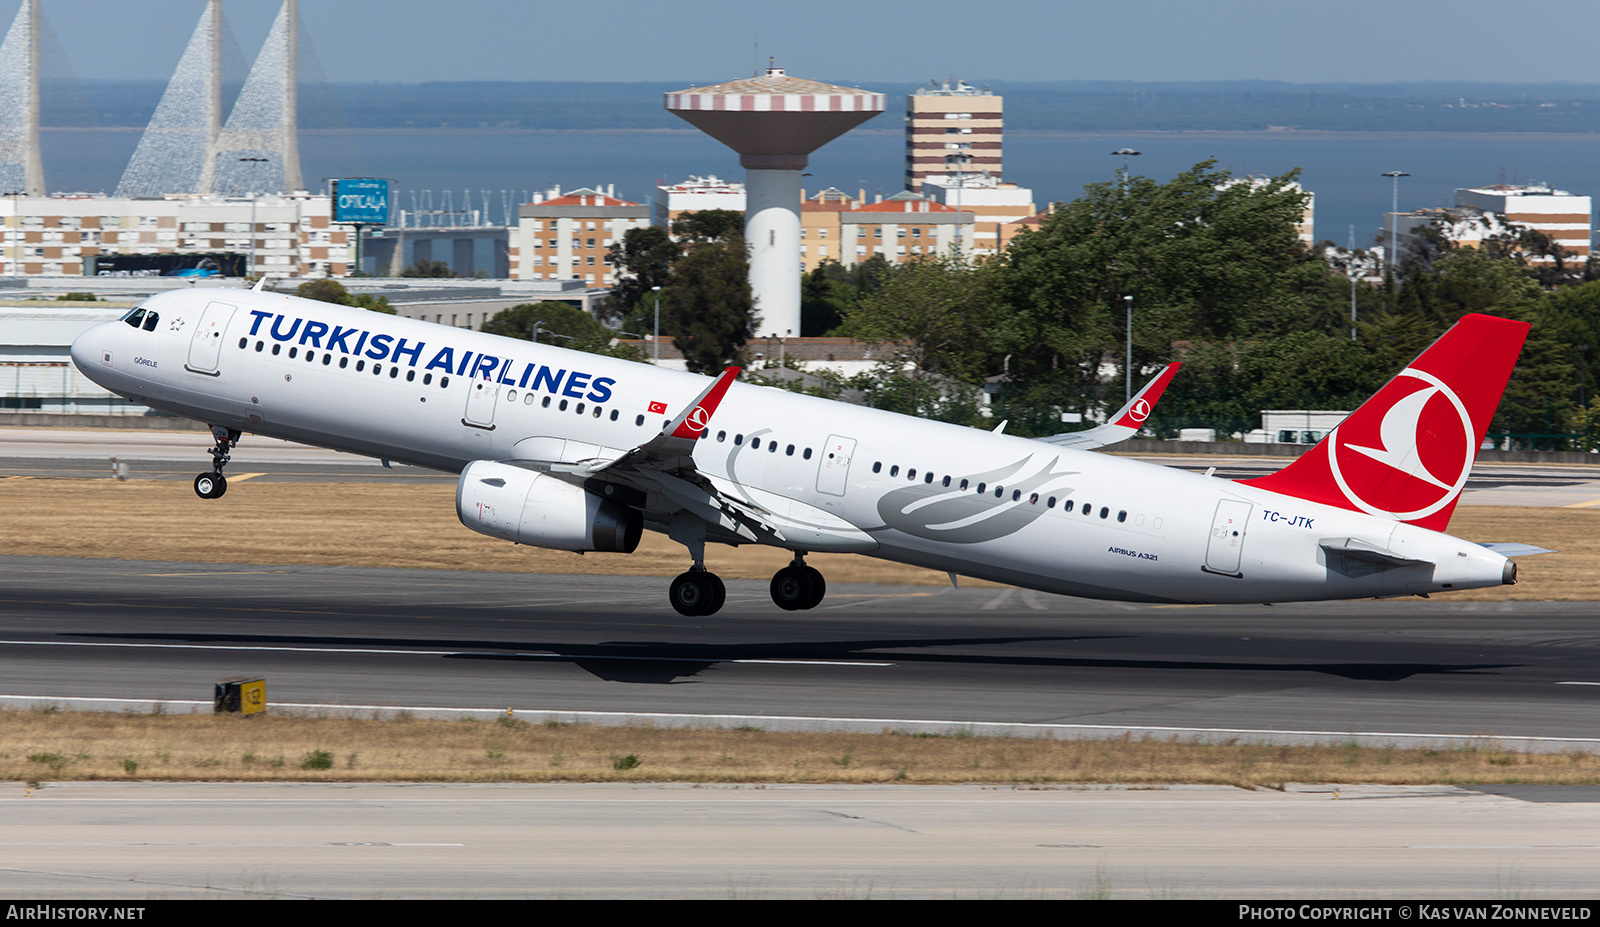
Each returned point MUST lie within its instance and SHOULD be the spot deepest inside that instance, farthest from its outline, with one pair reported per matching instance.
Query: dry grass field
(39, 746)
(387, 525)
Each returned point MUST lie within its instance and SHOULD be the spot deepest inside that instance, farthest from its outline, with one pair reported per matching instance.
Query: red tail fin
(1405, 454)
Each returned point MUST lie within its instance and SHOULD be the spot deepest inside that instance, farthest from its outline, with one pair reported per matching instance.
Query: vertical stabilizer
(1407, 452)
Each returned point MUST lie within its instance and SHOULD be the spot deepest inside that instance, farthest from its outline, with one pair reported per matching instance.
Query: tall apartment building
(952, 131)
(288, 235)
(569, 236)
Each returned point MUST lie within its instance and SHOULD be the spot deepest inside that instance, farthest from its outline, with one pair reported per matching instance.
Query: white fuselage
(833, 476)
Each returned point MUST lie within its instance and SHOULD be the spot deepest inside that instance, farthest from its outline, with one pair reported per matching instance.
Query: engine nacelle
(528, 507)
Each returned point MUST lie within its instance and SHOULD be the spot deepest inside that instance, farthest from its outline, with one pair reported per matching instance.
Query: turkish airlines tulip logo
(1140, 410)
(1411, 461)
(698, 419)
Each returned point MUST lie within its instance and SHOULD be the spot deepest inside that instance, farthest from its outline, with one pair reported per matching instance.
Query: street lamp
(655, 338)
(254, 196)
(1126, 153)
(1128, 367)
(1394, 210)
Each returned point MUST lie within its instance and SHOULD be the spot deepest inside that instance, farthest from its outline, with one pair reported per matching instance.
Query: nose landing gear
(212, 485)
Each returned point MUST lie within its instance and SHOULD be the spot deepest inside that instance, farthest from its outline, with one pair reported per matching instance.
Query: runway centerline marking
(446, 653)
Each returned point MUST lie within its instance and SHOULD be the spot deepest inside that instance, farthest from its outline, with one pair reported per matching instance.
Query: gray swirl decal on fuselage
(945, 513)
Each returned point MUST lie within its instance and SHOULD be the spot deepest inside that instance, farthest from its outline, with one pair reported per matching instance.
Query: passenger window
(1104, 511)
(444, 382)
(637, 422)
(394, 372)
(563, 406)
(722, 436)
(243, 343)
(259, 346)
(511, 395)
(613, 412)
(1122, 516)
(294, 352)
(738, 440)
(927, 477)
(772, 447)
(1086, 508)
(1051, 504)
(982, 488)
(911, 474)
(963, 486)
(344, 362)
(327, 359)
(276, 348)
(788, 451)
(947, 482)
(807, 454)
(894, 470)
(410, 375)
(579, 409)
(755, 444)
(877, 466)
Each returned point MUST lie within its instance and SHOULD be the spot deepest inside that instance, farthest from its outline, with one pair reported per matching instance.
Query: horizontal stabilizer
(1513, 549)
(1365, 552)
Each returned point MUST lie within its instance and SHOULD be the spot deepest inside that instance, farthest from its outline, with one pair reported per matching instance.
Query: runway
(1403, 671)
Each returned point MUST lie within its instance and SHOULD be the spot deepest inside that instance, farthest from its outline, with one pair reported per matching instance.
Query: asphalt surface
(1343, 847)
(1401, 671)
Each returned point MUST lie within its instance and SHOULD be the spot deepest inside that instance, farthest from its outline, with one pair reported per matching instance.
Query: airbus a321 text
(573, 451)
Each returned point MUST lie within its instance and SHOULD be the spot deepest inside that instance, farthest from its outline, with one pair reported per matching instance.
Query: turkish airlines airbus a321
(573, 451)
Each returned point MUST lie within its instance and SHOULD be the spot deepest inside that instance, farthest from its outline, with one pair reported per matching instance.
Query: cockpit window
(134, 318)
(150, 320)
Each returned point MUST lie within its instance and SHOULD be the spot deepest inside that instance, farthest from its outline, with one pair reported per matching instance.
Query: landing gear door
(205, 347)
(834, 470)
(1226, 547)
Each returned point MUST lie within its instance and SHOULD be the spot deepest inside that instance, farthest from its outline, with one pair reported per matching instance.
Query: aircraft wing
(664, 466)
(1126, 423)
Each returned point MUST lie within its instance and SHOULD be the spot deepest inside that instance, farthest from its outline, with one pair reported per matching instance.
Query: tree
(708, 225)
(643, 259)
(332, 291)
(1203, 258)
(425, 268)
(708, 305)
(560, 324)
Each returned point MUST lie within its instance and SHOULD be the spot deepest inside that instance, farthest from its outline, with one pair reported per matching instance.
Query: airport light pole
(1126, 153)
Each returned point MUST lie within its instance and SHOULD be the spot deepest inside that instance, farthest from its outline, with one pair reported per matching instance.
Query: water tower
(774, 121)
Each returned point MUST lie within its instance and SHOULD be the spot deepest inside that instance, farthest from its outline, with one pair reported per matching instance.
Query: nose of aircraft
(95, 350)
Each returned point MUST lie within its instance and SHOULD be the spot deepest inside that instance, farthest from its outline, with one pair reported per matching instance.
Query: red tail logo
(1417, 458)
(1407, 452)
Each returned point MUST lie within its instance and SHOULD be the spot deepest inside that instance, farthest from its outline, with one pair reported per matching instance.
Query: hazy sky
(703, 41)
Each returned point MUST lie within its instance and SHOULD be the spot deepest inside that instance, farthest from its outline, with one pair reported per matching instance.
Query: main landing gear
(212, 485)
(697, 592)
(798, 586)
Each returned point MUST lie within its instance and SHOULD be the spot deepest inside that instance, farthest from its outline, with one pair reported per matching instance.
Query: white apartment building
(694, 195)
(1564, 217)
(284, 235)
(996, 207)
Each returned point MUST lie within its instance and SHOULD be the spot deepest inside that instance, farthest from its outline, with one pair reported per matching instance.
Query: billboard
(188, 264)
(362, 200)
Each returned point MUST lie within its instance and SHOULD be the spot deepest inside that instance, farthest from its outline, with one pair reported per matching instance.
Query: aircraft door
(205, 346)
(1226, 546)
(481, 396)
(834, 470)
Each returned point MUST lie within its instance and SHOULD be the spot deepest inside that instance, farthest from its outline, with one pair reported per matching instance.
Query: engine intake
(515, 504)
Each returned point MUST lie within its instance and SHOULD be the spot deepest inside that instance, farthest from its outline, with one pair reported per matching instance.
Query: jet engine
(528, 507)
